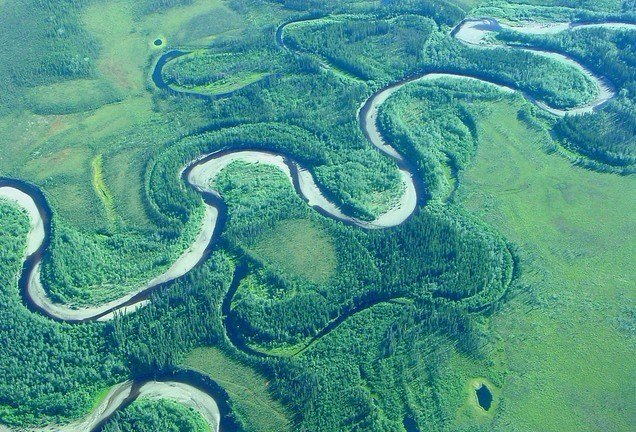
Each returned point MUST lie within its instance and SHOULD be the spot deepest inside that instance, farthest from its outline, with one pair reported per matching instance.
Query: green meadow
(567, 338)
(249, 396)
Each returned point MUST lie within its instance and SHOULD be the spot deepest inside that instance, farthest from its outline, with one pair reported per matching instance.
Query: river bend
(200, 175)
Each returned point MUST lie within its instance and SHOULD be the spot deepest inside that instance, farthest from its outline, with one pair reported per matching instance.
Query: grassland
(71, 96)
(250, 398)
(228, 85)
(85, 141)
(566, 341)
(101, 189)
(300, 248)
(127, 36)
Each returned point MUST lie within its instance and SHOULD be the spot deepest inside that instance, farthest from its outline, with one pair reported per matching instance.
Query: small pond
(484, 396)
(158, 42)
(410, 425)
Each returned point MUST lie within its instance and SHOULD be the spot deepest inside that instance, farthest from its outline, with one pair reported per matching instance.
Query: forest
(409, 47)
(294, 319)
(147, 415)
(606, 137)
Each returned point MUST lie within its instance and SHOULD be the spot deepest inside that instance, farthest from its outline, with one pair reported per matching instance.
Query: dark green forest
(606, 137)
(147, 415)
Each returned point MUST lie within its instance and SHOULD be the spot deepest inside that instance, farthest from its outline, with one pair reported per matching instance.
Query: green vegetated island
(311, 215)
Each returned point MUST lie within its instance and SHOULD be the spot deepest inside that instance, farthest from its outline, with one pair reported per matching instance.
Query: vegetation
(606, 137)
(558, 10)
(249, 395)
(513, 270)
(300, 248)
(148, 415)
(365, 48)
(274, 307)
(50, 372)
(432, 123)
(219, 73)
(141, 243)
(558, 336)
(386, 50)
(64, 49)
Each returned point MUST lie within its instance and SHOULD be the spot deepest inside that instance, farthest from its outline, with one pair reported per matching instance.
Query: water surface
(484, 397)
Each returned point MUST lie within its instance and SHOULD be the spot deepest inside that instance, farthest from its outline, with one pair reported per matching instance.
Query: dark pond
(410, 425)
(158, 42)
(484, 397)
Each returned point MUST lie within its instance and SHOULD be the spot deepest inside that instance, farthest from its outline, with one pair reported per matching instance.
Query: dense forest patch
(148, 415)
(608, 136)
(370, 265)
(219, 73)
(362, 47)
(39, 355)
(433, 123)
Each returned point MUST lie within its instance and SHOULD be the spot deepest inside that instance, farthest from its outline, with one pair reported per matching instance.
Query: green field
(299, 248)
(567, 340)
(250, 398)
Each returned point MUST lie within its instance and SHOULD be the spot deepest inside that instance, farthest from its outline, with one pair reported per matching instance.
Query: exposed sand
(186, 261)
(36, 231)
(186, 395)
(371, 119)
(179, 392)
(106, 407)
(202, 177)
(181, 266)
(607, 25)
(474, 31)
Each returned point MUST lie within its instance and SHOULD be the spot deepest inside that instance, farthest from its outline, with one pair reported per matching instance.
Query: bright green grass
(284, 350)
(229, 84)
(569, 365)
(71, 96)
(299, 247)
(63, 158)
(249, 396)
(127, 38)
(124, 173)
(100, 396)
(104, 194)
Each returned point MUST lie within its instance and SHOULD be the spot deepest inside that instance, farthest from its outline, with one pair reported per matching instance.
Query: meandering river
(200, 174)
